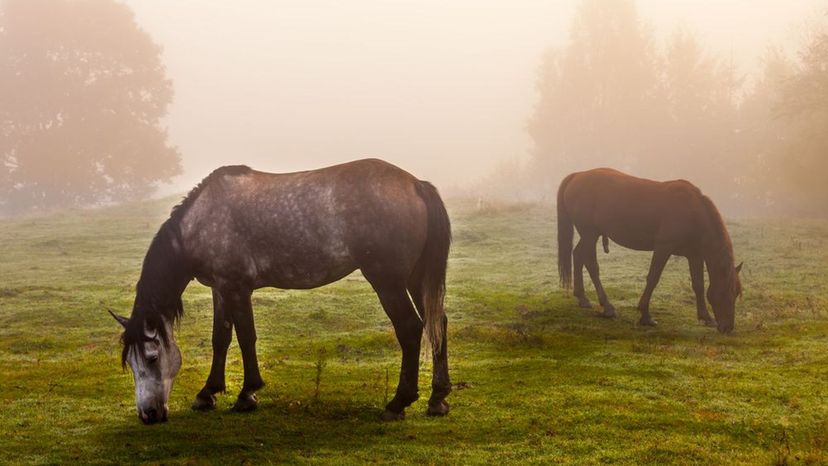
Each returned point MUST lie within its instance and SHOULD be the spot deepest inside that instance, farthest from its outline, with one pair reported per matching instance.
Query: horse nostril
(151, 415)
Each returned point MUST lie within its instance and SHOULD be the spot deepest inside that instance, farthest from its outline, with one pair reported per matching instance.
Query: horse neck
(718, 267)
(164, 276)
(717, 248)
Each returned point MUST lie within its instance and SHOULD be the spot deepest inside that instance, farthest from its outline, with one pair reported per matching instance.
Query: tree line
(611, 97)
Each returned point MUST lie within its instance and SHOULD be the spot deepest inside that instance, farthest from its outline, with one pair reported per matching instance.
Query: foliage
(803, 104)
(611, 97)
(763, 134)
(537, 379)
(82, 94)
(699, 129)
(596, 95)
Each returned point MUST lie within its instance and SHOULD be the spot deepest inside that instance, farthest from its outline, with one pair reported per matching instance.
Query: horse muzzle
(153, 415)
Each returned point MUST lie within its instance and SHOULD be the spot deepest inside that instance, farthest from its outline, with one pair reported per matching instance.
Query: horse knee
(221, 340)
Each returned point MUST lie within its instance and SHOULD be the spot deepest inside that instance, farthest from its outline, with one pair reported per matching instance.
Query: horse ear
(739, 267)
(121, 319)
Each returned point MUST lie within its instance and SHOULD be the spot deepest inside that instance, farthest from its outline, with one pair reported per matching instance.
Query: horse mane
(231, 170)
(720, 240)
(725, 246)
(165, 273)
(156, 295)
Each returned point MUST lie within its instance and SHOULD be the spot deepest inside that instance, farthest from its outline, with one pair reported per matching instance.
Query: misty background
(485, 98)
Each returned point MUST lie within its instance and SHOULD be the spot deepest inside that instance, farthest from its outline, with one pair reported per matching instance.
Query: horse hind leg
(578, 275)
(409, 331)
(591, 262)
(440, 382)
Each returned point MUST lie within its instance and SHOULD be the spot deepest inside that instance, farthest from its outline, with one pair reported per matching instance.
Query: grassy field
(538, 380)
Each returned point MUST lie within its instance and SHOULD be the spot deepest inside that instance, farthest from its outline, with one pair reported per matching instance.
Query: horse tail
(605, 241)
(566, 233)
(431, 267)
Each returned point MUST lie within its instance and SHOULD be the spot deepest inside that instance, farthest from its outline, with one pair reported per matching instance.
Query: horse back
(634, 212)
(306, 229)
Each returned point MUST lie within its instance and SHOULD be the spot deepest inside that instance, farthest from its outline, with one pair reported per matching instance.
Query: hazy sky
(441, 88)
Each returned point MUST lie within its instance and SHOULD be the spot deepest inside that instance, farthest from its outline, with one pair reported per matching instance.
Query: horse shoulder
(683, 186)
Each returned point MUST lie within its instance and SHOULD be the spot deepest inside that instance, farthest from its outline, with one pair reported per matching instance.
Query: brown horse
(241, 229)
(668, 218)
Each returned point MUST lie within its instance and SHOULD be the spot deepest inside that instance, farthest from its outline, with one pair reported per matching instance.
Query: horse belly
(304, 271)
(635, 233)
(634, 242)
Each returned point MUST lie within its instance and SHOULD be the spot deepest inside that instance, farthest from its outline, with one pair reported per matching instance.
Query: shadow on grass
(278, 431)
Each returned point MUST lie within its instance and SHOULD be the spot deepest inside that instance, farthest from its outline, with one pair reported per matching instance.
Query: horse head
(152, 354)
(722, 296)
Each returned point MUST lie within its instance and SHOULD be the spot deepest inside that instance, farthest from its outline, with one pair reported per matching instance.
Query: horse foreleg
(222, 336)
(659, 260)
(697, 278)
(409, 330)
(591, 262)
(242, 311)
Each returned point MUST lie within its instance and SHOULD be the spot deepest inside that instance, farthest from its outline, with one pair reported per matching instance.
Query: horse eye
(152, 358)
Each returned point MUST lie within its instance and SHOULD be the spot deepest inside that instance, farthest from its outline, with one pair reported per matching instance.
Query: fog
(444, 89)
(105, 101)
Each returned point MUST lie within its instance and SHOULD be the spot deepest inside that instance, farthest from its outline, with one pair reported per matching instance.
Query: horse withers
(668, 218)
(241, 229)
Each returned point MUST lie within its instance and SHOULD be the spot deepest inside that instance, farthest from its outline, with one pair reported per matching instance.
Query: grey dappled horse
(242, 229)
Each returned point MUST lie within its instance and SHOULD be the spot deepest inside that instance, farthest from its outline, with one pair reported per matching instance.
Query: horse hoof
(246, 403)
(649, 322)
(202, 403)
(708, 322)
(389, 416)
(609, 313)
(584, 303)
(438, 409)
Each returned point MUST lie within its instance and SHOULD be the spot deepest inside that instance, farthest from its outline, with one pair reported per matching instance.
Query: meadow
(537, 380)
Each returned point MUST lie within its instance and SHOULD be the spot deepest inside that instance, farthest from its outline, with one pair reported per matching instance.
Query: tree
(803, 105)
(762, 136)
(82, 94)
(611, 98)
(596, 95)
(699, 131)
(785, 131)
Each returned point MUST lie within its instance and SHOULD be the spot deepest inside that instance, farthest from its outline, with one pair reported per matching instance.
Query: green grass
(539, 380)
